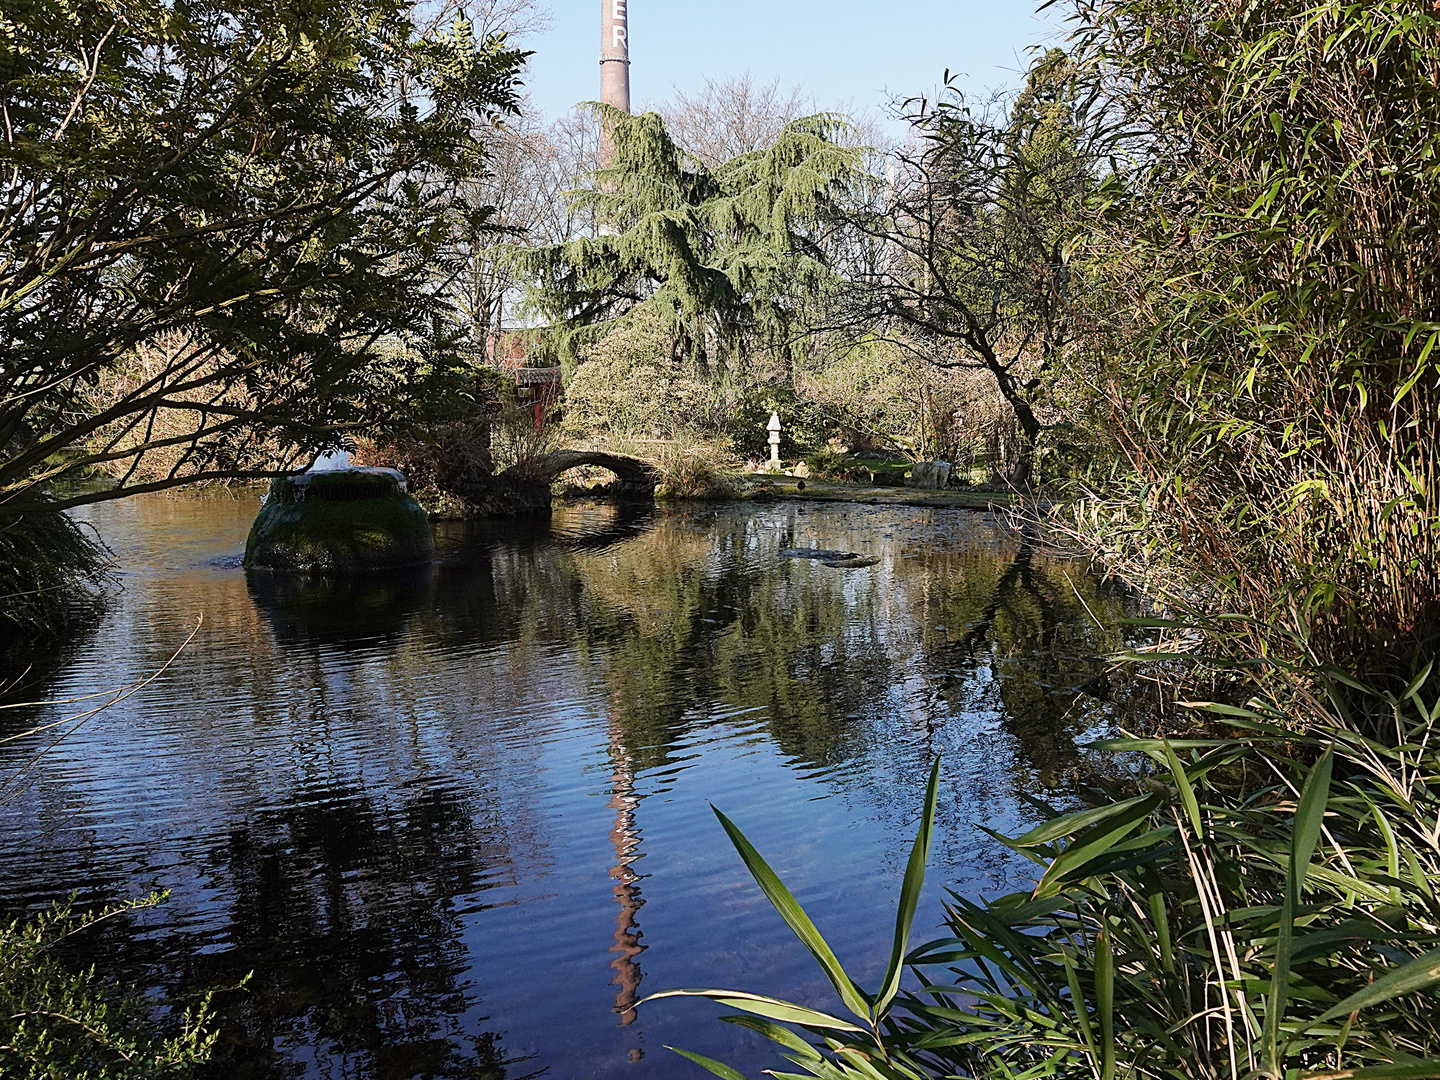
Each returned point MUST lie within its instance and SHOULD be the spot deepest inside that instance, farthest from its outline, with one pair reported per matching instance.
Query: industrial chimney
(614, 67)
(614, 54)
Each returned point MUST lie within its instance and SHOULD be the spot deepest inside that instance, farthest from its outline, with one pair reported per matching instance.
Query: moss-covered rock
(339, 522)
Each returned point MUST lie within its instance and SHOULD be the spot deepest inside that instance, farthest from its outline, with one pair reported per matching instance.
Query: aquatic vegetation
(1259, 905)
(693, 472)
(843, 1041)
(844, 560)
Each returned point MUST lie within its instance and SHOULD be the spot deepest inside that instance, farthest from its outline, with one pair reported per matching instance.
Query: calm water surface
(458, 823)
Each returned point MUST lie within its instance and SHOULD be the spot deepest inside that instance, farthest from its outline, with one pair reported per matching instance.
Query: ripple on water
(465, 815)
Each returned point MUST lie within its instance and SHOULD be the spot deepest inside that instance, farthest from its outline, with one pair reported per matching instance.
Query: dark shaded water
(456, 823)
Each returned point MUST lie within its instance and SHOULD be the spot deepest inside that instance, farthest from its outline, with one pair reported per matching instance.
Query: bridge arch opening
(629, 477)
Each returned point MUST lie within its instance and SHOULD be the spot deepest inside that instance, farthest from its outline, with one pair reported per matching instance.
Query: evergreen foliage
(57, 1024)
(804, 427)
(728, 259)
(628, 383)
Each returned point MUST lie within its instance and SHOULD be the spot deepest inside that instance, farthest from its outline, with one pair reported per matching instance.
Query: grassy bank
(52, 574)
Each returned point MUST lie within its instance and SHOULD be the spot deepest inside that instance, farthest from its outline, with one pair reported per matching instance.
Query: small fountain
(337, 517)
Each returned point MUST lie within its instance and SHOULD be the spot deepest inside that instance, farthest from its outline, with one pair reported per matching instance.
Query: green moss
(344, 522)
(343, 485)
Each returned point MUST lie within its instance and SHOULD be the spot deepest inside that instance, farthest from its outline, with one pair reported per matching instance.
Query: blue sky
(863, 53)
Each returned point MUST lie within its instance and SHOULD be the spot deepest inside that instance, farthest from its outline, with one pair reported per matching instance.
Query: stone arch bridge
(633, 472)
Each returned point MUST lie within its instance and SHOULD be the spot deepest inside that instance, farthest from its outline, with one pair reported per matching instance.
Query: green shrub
(1258, 905)
(804, 426)
(628, 384)
(56, 1024)
(876, 395)
(828, 464)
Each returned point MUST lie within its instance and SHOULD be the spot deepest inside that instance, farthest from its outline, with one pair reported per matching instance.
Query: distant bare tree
(514, 18)
(733, 116)
(739, 114)
(534, 168)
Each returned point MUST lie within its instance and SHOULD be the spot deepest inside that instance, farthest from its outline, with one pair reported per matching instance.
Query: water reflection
(414, 807)
(308, 608)
(625, 837)
(346, 912)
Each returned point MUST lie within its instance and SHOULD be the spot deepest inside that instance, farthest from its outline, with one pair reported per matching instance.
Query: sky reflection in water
(457, 822)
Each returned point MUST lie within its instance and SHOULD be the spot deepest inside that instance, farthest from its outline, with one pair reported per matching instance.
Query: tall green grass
(1261, 904)
(52, 573)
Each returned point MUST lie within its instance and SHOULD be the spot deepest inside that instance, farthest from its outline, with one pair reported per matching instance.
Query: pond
(456, 823)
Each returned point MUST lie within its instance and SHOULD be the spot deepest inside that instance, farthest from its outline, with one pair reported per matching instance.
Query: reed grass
(695, 471)
(53, 573)
(1263, 311)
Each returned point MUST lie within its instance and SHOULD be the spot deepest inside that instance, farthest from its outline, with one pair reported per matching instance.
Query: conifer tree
(730, 259)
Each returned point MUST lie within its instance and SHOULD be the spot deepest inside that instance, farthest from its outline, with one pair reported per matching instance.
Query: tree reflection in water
(680, 618)
(346, 911)
(625, 836)
(385, 799)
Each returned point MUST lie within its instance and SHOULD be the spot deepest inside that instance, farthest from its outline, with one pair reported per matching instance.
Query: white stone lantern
(774, 428)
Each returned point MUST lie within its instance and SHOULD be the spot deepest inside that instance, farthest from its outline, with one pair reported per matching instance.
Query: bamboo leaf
(909, 895)
(1077, 1002)
(771, 1030)
(1419, 974)
(795, 917)
(1105, 1003)
(1410, 1070)
(719, 1068)
(1069, 824)
(765, 1006)
(1187, 793)
(1092, 844)
(1310, 814)
(1309, 819)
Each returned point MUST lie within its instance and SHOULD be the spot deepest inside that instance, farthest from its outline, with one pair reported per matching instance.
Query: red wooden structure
(541, 388)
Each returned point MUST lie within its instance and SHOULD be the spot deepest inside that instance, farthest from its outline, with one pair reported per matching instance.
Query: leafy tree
(970, 264)
(729, 259)
(271, 185)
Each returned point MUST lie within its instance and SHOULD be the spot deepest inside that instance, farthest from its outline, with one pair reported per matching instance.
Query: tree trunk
(1021, 472)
